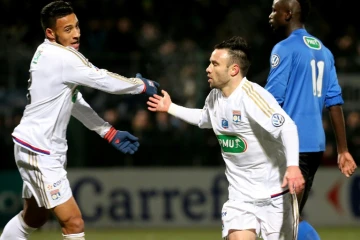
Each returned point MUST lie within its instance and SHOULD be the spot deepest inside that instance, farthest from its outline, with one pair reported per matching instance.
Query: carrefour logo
(232, 144)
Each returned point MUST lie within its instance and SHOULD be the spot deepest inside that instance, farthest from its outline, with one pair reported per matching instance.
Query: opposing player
(56, 71)
(259, 144)
(303, 80)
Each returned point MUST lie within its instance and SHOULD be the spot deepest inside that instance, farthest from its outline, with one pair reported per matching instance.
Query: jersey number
(317, 81)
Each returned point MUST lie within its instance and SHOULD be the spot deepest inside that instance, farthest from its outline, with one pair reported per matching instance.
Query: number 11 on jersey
(317, 80)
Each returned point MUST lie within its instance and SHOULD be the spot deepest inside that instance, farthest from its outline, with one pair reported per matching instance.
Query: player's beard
(58, 41)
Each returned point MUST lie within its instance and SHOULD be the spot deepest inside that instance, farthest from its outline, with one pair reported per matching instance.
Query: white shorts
(44, 177)
(273, 216)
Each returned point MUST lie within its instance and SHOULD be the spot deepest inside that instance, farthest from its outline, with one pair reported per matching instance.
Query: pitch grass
(333, 233)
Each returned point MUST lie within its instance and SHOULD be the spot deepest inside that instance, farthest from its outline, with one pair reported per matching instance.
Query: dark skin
(284, 19)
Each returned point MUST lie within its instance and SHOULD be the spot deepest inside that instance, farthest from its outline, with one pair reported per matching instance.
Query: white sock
(76, 236)
(16, 229)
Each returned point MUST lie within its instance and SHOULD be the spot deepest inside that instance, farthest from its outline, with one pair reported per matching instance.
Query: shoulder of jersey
(312, 42)
(214, 94)
(69, 51)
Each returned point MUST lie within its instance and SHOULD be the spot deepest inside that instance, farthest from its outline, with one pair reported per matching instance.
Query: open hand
(158, 103)
(346, 164)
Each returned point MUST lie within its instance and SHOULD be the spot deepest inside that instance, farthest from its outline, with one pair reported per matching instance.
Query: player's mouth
(271, 24)
(76, 45)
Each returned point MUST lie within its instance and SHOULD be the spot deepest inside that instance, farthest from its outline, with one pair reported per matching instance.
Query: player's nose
(77, 33)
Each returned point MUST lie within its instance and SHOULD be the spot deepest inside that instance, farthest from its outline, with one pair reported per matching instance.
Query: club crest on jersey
(224, 123)
(55, 194)
(275, 60)
(277, 120)
(312, 43)
(236, 116)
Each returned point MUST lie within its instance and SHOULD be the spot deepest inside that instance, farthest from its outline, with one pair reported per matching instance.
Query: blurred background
(176, 179)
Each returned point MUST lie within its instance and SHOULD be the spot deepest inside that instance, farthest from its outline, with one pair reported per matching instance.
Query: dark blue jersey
(303, 80)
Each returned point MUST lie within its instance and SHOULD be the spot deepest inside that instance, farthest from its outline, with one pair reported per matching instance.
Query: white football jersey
(55, 73)
(248, 124)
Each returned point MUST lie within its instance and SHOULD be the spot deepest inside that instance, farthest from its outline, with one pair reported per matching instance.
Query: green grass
(181, 234)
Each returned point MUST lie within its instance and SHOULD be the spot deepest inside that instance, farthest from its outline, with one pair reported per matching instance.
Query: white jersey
(248, 124)
(55, 73)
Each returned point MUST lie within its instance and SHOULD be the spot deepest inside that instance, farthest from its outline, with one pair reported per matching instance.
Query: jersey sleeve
(333, 94)
(78, 70)
(205, 121)
(87, 116)
(262, 108)
(280, 65)
(194, 116)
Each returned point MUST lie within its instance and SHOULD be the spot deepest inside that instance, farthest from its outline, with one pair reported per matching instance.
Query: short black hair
(239, 52)
(305, 6)
(54, 10)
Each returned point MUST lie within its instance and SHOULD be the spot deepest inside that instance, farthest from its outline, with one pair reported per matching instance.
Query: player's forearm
(103, 80)
(290, 139)
(87, 116)
(189, 115)
(338, 124)
(114, 83)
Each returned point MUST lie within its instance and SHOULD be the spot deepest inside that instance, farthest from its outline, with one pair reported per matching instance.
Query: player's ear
(234, 70)
(50, 34)
(288, 16)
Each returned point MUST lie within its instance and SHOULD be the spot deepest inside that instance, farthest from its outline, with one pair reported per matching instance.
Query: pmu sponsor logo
(232, 144)
(312, 43)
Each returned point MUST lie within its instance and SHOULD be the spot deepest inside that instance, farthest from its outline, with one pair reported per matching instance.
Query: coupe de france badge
(275, 60)
(277, 120)
(224, 123)
(236, 116)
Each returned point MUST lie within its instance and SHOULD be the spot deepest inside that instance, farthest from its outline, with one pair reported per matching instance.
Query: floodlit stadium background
(173, 187)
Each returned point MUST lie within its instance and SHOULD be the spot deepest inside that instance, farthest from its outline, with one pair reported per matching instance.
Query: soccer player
(56, 71)
(259, 144)
(303, 80)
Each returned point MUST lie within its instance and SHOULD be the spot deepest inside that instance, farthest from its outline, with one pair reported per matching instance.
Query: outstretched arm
(79, 71)
(164, 104)
(346, 162)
